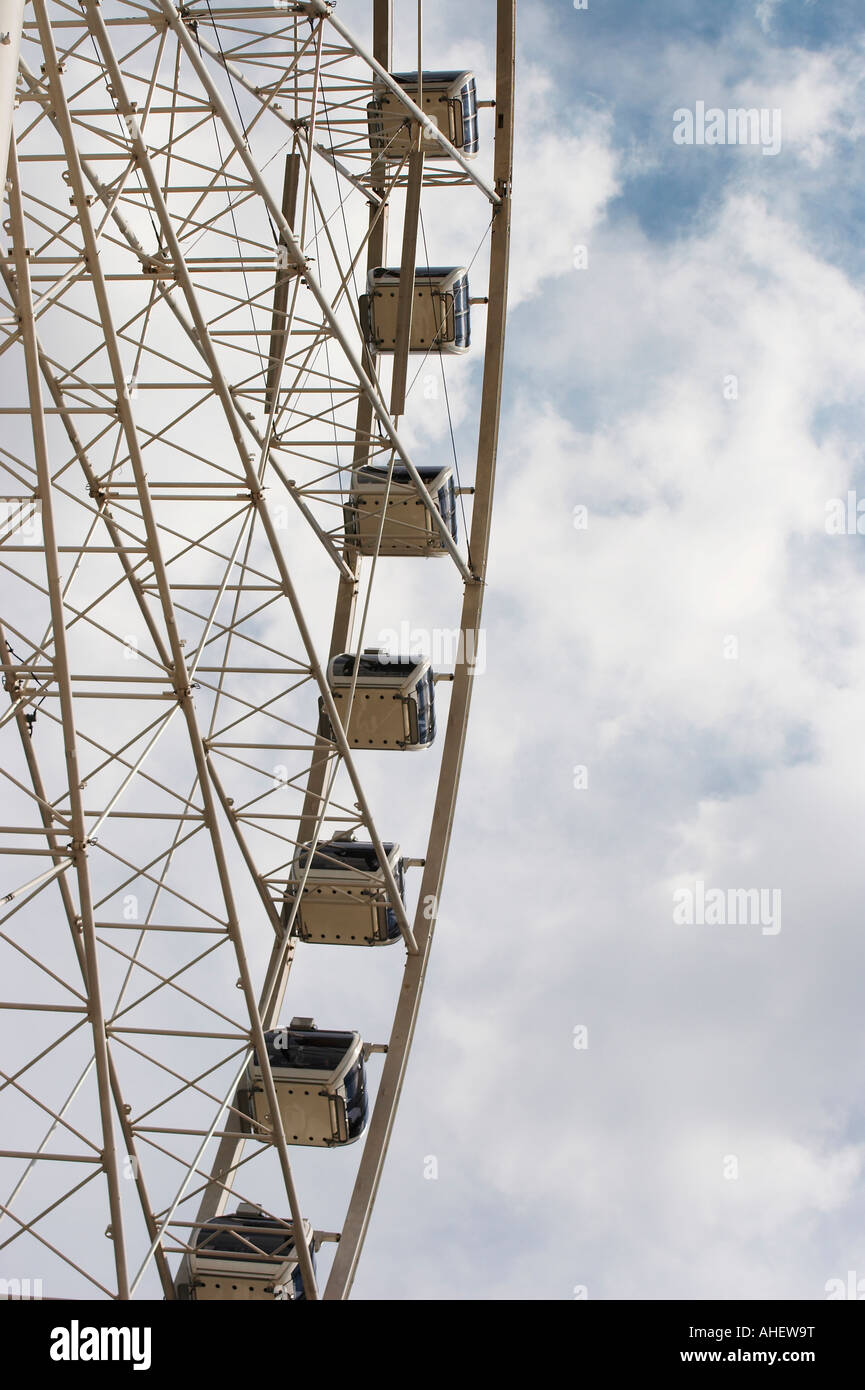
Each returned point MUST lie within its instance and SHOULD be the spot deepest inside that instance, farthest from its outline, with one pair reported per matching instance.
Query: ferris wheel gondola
(343, 895)
(247, 1257)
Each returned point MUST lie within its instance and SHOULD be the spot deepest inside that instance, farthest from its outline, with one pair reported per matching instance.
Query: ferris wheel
(247, 456)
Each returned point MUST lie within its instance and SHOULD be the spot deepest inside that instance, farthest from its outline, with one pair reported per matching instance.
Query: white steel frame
(180, 349)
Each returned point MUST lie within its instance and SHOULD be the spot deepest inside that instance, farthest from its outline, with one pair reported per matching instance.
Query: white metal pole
(11, 19)
(324, 9)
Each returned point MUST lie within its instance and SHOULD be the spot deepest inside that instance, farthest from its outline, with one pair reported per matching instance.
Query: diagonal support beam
(405, 304)
(78, 850)
(305, 269)
(324, 10)
(284, 277)
(393, 1073)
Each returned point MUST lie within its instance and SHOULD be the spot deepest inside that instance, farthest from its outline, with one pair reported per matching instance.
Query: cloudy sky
(698, 647)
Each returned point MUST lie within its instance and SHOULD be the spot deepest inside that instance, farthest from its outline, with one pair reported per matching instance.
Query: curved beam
(399, 1045)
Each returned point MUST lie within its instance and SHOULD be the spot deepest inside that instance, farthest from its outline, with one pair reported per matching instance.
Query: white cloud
(568, 162)
(706, 518)
(765, 13)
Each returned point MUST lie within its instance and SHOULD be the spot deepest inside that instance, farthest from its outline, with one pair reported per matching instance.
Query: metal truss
(184, 390)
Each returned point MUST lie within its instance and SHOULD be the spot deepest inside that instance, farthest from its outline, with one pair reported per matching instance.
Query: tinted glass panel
(390, 916)
(373, 666)
(300, 1050)
(351, 855)
(462, 333)
(297, 1279)
(469, 100)
(444, 79)
(356, 1102)
(377, 473)
(422, 272)
(426, 722)
(431, 731)
(447, 502)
